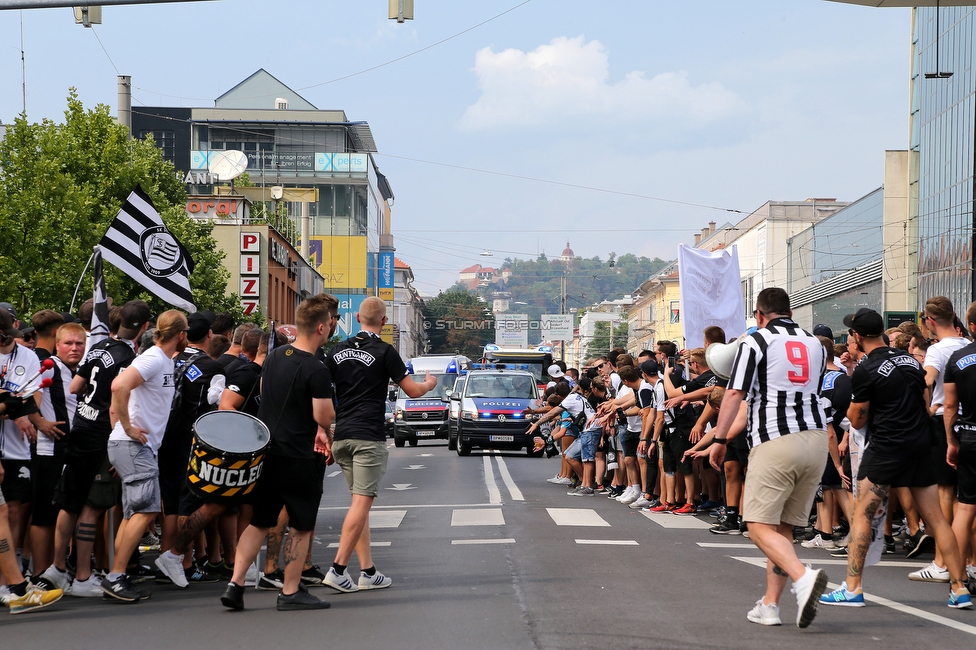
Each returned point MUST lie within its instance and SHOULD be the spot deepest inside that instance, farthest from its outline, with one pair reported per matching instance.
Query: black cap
(135, 314)
(7, 307)
(7, 324)
(199, 324)
(823, 330)
(650, 367)
(865, 322)
(68, 318)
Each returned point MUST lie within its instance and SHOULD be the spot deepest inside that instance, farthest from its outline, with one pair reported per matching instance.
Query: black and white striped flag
(138, 243)
(99, 322)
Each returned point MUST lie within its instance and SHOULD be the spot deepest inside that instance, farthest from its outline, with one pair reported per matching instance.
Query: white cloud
(569, 79)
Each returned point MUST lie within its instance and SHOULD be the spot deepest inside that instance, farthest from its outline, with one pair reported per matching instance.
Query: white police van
(426, 418)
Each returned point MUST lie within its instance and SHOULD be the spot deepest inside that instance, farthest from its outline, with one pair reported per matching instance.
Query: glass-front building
(943, 109)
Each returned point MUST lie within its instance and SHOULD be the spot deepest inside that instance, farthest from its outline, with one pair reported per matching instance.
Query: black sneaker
(301, 599)
(840, 551)
(162, 579)
(889, 545)
(139, 573)
(312, 577)
(121, 589)
(913, 545)
(726, 527)
(233, 597)
(221, 569)
(197, 575)
(271, 581)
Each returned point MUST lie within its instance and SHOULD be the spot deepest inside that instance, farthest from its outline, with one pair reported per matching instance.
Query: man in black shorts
(296, 405)
(363, 367)
(960, 390)
(86, 449)
(888, 398)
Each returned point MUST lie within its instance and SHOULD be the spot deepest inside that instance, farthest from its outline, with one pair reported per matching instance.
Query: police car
(492, 406)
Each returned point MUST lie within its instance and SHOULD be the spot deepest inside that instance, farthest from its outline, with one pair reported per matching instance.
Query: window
(165, 140)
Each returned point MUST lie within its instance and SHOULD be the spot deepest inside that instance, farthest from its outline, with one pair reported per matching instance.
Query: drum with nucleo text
(227, 454)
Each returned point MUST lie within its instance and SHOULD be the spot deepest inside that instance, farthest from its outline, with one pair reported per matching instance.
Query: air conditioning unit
(281, 104)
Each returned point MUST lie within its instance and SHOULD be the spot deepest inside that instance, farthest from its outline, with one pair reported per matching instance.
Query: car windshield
(511, 386)
(444, 384)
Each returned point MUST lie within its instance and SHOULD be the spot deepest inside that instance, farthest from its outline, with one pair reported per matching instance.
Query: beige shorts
(783, 477)
(363, 463)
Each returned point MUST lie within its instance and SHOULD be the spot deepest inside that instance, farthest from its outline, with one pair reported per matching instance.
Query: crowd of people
(799, 441)
(97, 447)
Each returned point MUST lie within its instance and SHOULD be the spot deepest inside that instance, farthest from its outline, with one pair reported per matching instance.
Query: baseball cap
(134, 314)
(650, 367)
(68, 318)
(555, 372)
(199, 323)
(7, 324)
(823, 330)
(865, 322)
(7, 307)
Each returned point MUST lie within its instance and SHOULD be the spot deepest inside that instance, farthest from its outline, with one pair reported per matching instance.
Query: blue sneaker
(708, 506)
(843, 597)
(960, 601)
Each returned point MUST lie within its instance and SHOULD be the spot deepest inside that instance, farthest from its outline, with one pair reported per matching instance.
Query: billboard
(342, 261)
(349, 304)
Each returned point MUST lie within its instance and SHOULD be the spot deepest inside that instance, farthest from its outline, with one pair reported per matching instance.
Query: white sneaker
(808, 590)
(931, 573)
(91, 588)
(341, 582)
(640, 503)
(971, 572)
(252, 576)
(554, 479)
(625, 494)
(4, 595)
(765, 614)
(375, 581)
(172, 568)
(563, 480)
(819, 542)
(628, 498)
(55, 577)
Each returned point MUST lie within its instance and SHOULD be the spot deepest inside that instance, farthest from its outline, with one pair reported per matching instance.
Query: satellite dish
(227, 165)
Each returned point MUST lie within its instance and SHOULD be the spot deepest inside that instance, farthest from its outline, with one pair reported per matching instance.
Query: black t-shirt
(226, 359)
(363, 367)
(244, 381)
(961, 371)
(290, 380)
(194, 375)
(893, 382)
(103, 363)
(683, 418)
(836, 389)
(705, 380)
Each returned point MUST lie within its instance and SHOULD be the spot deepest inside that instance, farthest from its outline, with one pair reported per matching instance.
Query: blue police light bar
(452, 367)
(409, 367)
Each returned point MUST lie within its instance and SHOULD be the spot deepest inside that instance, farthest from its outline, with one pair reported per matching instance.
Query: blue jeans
(589, 441)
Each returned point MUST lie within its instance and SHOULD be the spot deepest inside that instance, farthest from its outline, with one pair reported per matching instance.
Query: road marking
(386, 519)
(400, 487)
(464, 542)
(507, 478)
(415, 505)
(486, 517)
(725, 545)
(336, 544)
(494, 496)
(425, 455)
(833, 562)
(331, 474)
(414, 466)
(892, 604)
(576, 517)
(667, 520)
(608, 542)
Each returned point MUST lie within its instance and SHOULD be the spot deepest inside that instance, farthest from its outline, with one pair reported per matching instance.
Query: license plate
(501, 438)
(425, 434)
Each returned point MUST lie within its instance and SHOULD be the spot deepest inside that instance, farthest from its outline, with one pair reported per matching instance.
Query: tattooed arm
(857, 414)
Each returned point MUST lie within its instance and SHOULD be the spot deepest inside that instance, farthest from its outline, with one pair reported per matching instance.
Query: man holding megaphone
(777, 370)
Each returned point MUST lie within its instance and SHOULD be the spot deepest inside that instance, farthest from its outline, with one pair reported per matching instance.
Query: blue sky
(710, 102)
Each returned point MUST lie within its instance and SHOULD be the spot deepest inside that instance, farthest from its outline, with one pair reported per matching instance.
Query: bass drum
(227, 455)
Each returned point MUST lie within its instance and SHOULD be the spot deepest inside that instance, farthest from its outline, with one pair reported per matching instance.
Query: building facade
(409, 335)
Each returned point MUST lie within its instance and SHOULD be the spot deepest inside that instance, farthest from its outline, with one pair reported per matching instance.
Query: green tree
(61, 184)
(457, 321)
(601, 343)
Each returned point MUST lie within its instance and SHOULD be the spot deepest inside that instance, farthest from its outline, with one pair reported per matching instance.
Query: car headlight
(399, 414)
(469, 415)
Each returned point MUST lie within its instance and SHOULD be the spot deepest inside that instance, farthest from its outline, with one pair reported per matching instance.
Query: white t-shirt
(17, 367)
(937, 356)
(149, 403)
(660, 397)
(633, 421)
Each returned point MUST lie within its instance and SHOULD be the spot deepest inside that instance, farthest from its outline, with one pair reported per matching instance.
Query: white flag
(711, 293)
(139, 243)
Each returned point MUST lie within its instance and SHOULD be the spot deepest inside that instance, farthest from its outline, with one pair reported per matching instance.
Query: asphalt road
(484, 553)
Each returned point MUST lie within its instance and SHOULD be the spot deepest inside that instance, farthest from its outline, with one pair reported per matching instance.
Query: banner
(711, 293)
(99, 322)
(138, 243)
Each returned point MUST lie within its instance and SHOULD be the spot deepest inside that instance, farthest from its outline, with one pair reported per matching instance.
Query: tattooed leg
(293, 550)
(869, 498)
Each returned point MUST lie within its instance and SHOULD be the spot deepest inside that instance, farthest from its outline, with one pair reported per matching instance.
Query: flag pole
(71, 309)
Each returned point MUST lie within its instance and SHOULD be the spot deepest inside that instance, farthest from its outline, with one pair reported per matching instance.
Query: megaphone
(720, 356)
